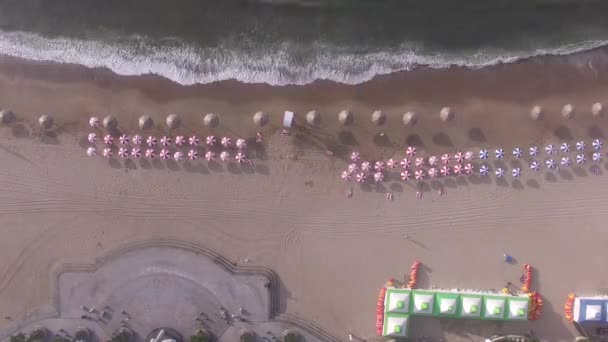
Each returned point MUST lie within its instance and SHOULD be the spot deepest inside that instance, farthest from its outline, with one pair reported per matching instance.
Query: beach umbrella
(355, 156)
(597, 109)
(180, 140)
(405, 175)
(145, 122)
(124, 139)
(500, 153)
(6, 116)
(518, 152)
(346, 118)
(484, 170)
(108, 139)
(92, 138)
(361, 177)
(165, 141)
(499, 172)
(458, 157)
(433, 172)
(165, 154)
(211, 120)
(596, 156)
(468, 155)
(419, 162)
(580, 145)
(45, 121)
(259, 137)
(107, 152)
(352, 168)
(550, 149)
(446, 114)
(260, 118)
(457, 169)
(91, 151)
(151, 141)
(225, 156)
(535, 165)
(391, 163)
(565, 161)
(581, 159)
(150, 153)
(433, 160)
(565, 147)
(516, 172)
(123, 152)
(445, 170)
(533, 151)
(568, 111)
(378, 177)
(94, 122)
(110, 122)
(365, 166)
(345, 175)
(378, 118)
(597, 144)
(210, 156)
(468, 168)
(410, 118)
(550, 163)
(419, 174)
(483, 154)
(536, 113)
(313, 118)
(136, 152)
(136, 140)
(379, 166)
(211, 140)
(178, 156)
(193, 154)
(410, 151)
(173, 121)
(194, 140)
(445, 158)
(241, 143)
(405, 163)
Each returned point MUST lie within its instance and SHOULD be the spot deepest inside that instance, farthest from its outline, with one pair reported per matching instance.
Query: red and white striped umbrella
(259, 137)
(361, 177)
(445, 158)
(468, 155)
(433, 172)
(165, 141)
(124, 139)
(468, 168)
(165, 154)
(178, 156)
(225, 156)
(92, 138)
(458, 157)
(193, 154)
(365, 166)
(379, 166)
(345, 175)
(180, 140)
(406, 163)
(391, 163)
(445, 170)
(123, 152)
(136, 152)
(378, 177)
(433, 160)
(91, 151)
(410, 151)
(226, 142)
(211, 140)
(136, 140)
(419, 174)
(241, 143)
(405, 175)
(355, 156)
(151, 141)
(150, 153)
(210, 156)
(457, 169)
(94, 122)
(194, 140)
(352, 168)
(240, 157)
(419, 162)
(108, 139)
(107, 152)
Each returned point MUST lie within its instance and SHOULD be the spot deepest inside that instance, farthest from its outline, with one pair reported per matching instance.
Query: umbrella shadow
(414, 140)
(579, 171)
(248, 168)
(157, 164)
(562, 132)
(261, 169)
(215, 166)
(532, 183)
(396, 187)
(365, 187)
(475, 179)
(423, 186)
(347, 138)
(380, 188)
(130, 164)
(145, 164)
(461, 181)
(442, 139)
(550, 177)
(259, 151)
(565, 174)
(450, 183)
(193, 167)
(233, 168)
(114, 163)
(84, 142)
(382, 139)
(515, 163)
(436, 185)
(49, 137)
(19, 130)
(172, 165)
(595, 132)
(517, 184)
(477, 135)
(502, 182)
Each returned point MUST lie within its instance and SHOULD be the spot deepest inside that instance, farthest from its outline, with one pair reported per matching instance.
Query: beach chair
(287, 123)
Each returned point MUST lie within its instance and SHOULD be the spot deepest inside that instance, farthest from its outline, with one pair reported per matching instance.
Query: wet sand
(289, 211)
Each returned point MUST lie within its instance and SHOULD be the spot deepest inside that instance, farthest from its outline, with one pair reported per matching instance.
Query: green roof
(495, 307)
(447, 304)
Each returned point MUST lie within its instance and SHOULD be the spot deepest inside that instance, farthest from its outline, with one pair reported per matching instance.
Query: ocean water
(283, 42)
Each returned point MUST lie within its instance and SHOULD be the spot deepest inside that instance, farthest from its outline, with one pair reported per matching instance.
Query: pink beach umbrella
(565, 161)
(180, 140)
(419, 162)
(240, 157)
(226, 142)
(484, 170)
(597, 144)
(361, 177)
(136, 140)
(108, 139)
(352, 168)
(516, 172)
(565, 147)
(445, 170)
(193, 154)
(365, 166)
(550, 163)
(151, 141)
(518, 152)
(92, 138)
(468, 168)
(550, 149)
(194, 140)
(581, 159)
(107, 152)
(94, 122)
(123, 152)
(124, 139)
(535, 166)
(433, 160)
(445, 158)
(533, 151)
(150, 153)
(178, 156)
(483, 154)
(355, 156)
(210, 140)
(379, 166)
(468, 155)
(259, 137)
(410, 151)
(458, 157)
(406, 163)
(165, 154)
(210, 156)
(241, 143)
(433, 172)
(580, 145)
(165, 141)
(405, 175)
(225, 156)
(345, 175)
(378, 177)
(91, 151)
(391, 163)
(457, 169)
(136, 152)
(419, 174)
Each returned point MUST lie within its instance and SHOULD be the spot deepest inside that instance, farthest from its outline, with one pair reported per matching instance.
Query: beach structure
(468, 156)
(468, 168)
(91, 151)
(352, 168)
(589, 314)
(419, 174)
(516, 172)
(346, 118)
(361, 177)
(568, 111)
(536, 113)
(45, 121)
(110, 122)
(378, 118)
(6, 116)
(151, 141)
(410, 119)
(211, 120)
(260, 118)
(313, 118)
(597, 109)
(446, 114)
(259, 137)
(173, 121)
(94, 122)
(145, 122)
(419, 162)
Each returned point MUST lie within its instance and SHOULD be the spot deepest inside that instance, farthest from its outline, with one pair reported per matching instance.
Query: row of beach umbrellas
(150, 153)
(166, 141)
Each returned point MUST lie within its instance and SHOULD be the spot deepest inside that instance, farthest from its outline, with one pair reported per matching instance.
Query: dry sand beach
(289, 211)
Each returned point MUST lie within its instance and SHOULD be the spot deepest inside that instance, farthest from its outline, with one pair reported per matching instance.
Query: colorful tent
(396, 325)
(517, 308)
(423, 302)
(397, 301)
(494, 307)
(470, 305)
(447, 304)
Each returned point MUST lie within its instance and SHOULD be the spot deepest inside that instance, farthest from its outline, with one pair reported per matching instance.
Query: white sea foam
(281, 64)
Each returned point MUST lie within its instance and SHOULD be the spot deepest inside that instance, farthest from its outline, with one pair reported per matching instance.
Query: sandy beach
(289, 212)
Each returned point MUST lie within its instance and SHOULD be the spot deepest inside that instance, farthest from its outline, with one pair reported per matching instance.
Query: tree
(290, 336)
(247, 336)
(201, 335)
(20, 337)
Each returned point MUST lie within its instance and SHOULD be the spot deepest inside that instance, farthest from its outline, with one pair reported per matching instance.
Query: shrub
(290, 337)
(247, 337)
(20, 337)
